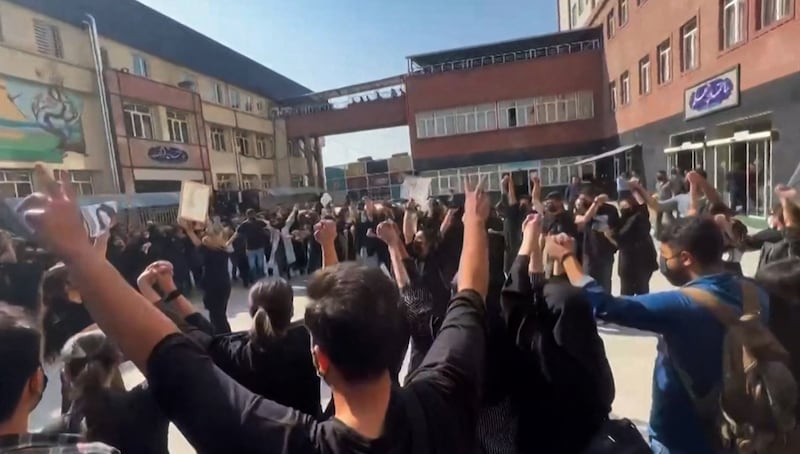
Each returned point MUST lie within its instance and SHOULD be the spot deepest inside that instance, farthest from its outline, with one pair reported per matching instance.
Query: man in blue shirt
(690, 337)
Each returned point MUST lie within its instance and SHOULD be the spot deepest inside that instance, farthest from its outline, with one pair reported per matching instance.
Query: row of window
(139, 123)
(506, 114)
(217, 94)
(246, 144)
(19, 183)
(734, 13)
(48, 42)
(227, 181)
(732, 19)
(552, 172)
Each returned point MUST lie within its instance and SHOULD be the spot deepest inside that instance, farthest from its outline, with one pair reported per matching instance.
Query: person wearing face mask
(637, 254)
(597, 220)
(22, 385)
(689, 359)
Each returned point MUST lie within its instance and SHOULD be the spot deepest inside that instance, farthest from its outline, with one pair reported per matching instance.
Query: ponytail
(263, 330)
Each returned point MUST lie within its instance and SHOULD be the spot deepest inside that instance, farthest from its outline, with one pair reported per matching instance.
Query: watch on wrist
(172, 296)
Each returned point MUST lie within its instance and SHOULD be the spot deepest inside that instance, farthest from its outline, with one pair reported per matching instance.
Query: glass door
(759, 178)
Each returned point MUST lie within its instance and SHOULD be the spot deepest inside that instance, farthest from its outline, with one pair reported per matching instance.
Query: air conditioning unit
(125, 70)
(187, 84)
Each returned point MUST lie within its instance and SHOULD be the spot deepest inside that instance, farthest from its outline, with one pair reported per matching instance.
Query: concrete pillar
(318, 159)
(309, 146)
(283, 172)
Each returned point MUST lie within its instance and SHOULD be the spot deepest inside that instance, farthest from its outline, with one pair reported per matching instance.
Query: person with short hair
(691, 337)
(22, 385)
(354, 318)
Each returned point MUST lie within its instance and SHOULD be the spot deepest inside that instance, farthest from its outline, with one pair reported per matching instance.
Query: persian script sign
(715, 94)
(169, 155)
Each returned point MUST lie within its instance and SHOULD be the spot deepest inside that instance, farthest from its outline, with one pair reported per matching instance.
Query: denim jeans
(255, 258)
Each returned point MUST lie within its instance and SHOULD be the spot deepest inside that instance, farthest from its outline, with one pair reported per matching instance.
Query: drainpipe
(101, 86)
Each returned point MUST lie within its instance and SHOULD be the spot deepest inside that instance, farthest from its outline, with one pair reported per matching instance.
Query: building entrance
(740, 167)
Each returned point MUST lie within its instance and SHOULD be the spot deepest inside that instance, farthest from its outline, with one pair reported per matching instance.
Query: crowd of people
(495, 307)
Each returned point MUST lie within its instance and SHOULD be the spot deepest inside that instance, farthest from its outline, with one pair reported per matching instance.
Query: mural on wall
(168, 155)
(39, 122)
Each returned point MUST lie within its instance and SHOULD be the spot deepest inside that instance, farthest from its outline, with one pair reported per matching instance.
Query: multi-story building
(379, 179)
(498, 108)
(124, 98)
(710, 83)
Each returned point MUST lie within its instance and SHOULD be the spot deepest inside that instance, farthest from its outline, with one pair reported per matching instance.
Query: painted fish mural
(39, 122)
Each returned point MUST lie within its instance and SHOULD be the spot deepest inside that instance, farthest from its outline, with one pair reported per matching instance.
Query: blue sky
(332, 43)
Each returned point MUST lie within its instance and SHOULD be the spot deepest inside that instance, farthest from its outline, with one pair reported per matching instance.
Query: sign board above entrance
(712, 95)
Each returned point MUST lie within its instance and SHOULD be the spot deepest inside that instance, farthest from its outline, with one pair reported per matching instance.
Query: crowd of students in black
(497, 305)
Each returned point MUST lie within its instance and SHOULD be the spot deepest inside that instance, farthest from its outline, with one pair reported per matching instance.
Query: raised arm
(454, 365)
(325, 235)
(120, 311)
(100, 244)
(582, 219)
(190, 233)
(410, 222)
(388, 233)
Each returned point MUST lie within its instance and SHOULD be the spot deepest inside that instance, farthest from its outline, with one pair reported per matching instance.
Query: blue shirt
(688, 334)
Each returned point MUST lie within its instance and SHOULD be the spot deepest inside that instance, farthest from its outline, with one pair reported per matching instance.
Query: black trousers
(635, 283)
(215, 299)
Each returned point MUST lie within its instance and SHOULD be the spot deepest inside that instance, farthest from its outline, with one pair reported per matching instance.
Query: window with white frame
(219, 93)
(298, 181)
(138, 121)
(625, 87)
(16, 183)
(557, 172)
(248, 103)
(218, 142)
(1, 27)
(734, 16)
(140, 67)
(260, 106)
(234, 98)
(644, 75)
(226, 181)
(612, 93)
(242, 143)
(267, 181)
(178, 127)
(690, 49)
(82, 181)
(515, 113)
(261, 147)
(573, 16)
(773, 11)
(463, 120)
(48, 39)
(611, 28)
(664, 51)
(623, 12)
(250, 181)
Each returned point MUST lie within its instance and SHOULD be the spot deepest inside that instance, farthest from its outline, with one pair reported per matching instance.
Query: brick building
(711, 83)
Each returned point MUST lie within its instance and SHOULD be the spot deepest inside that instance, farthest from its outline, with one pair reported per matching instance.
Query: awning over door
(607, 154)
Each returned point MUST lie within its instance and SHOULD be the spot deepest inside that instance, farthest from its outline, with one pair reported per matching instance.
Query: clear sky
(326, 44)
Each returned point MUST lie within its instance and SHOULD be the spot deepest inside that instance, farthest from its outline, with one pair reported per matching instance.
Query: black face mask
(677, 278)
(552, 208)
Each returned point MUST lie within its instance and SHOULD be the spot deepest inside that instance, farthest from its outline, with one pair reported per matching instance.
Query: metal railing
(509, 57)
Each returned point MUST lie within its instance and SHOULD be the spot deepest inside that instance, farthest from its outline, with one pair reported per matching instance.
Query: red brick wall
(765, 55)
(541, 77)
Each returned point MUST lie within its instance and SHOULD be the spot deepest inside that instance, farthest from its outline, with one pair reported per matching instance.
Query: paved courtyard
(630, 352)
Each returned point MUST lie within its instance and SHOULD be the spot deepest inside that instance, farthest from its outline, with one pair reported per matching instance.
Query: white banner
(416, 188)
(195, 198)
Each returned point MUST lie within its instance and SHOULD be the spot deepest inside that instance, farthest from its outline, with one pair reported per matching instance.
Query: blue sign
(715, 94)
(168, 155)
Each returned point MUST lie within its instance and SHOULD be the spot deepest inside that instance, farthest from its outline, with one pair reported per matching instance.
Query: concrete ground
(630, 352)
